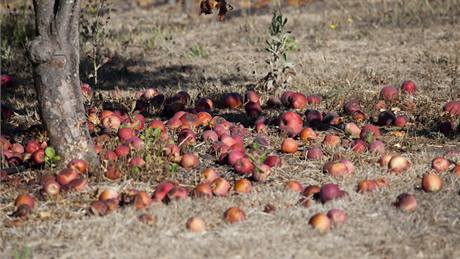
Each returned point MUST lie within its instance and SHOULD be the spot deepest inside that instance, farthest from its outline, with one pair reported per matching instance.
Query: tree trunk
(56, 59)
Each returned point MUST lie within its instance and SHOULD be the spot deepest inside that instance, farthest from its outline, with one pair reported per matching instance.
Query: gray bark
(55, 57)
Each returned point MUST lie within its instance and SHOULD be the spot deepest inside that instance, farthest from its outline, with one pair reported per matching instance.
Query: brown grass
(375, 43)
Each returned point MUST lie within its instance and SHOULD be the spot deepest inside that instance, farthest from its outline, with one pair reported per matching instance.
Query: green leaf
(157, 133)
(50, 152)
(369, 137)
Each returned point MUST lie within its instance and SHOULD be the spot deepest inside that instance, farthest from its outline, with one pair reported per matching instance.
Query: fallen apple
(195, 224)
(431, 182)
(234, 215)
(320, 222)
(406, 202)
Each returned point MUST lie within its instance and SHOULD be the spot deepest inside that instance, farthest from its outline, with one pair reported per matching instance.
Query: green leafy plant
(22, 253)
(51, 157)
(94, 34)
(173, 168)
(279, 43)
(197, 51)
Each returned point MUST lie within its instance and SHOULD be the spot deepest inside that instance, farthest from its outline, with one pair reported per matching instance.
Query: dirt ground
(346, 49)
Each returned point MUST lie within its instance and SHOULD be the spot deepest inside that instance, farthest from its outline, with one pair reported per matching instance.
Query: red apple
(453, 108)
(307, 134)
(204, 104)
(162, 190)
(137, 161)
(335, 168)
(234, 215)
(99, 208)
(210, 136)
(260, 125)
(110, 156)
(286, 98)
(389, 93)
(25, 199)
(456, 170)
(203, 190)
(253, 110)
(220, 187)
(386, 118)
(431, 183)
(125, 133)
(313, 117)
(314, 99)
(79, 184)
(330, 192)
(406, 202)
(351, 107)
(351, 129)
(6, 81)
(314, 153)
(348, 164)
(294, 186)
(408, 87)
(109, 194)
(112, 173)
(400, 121)
(320, 222)
(331, 141)
(209, 174)
(358, 146)
(243, 186)
(135, 143)
(398, 164)
(369, 133)
(196, 224)
(177, 193)
(38, 156)
(79, 164)
(67, 175)
(122, 150)
(252, 96)
(337, 216)
(289, 146)
(142, 200)
(189, 160)
(234, 156)
(297, 101)
(377, 146)
(261, 173)
(367, 186)
(440, 164)
(51, 186)
(17, 148)
(233, 100)
(273, 161)
(244, 166)
(311, 191)
(291, 123)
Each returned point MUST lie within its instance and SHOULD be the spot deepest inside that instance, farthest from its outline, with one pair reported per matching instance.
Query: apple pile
(192, 135)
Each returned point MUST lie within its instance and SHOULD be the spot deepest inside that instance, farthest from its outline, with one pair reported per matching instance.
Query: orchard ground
(346, 49)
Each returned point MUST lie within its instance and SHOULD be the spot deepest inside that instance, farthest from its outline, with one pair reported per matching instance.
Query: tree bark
(55, 57)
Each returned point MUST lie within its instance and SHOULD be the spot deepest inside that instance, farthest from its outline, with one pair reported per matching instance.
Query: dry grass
(375, 43)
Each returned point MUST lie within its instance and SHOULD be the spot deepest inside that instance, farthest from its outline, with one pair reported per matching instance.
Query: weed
(280, 42)
(197, 51)
(51, 157)
(94, 34)
(23, 253)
